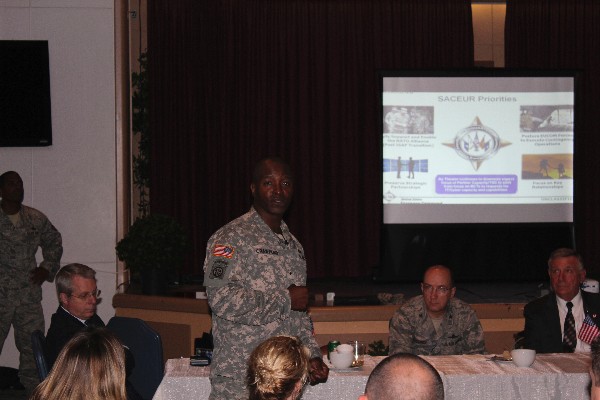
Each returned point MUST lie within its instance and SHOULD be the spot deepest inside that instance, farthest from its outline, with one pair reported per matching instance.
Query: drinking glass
(359, 352)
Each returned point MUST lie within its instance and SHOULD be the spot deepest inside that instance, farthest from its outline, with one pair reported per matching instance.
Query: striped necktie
(570, 335)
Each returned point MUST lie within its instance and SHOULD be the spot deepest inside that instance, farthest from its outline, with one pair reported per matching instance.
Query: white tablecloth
(183, 381)
(552, 376)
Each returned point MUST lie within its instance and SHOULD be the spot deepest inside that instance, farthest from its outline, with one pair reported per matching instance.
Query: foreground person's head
(404, 376)
(91, 366)
(278, 369)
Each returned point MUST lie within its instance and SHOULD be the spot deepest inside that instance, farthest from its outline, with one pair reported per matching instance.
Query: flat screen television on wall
(477, 171)
(25, 118)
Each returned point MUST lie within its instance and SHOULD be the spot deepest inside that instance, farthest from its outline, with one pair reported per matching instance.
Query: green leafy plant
(139, 126)
(155, 241)
(378, 348)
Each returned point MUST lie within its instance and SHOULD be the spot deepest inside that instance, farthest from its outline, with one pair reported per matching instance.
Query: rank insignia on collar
(221, 250)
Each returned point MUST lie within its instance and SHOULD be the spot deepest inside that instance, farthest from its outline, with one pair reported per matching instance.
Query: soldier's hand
(38, 275)
(318, 371)
(299, 297)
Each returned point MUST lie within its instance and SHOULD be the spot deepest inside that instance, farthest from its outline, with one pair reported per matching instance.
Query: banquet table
(552, 376)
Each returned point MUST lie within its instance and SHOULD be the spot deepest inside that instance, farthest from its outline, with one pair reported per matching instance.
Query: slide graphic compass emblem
(477, 143)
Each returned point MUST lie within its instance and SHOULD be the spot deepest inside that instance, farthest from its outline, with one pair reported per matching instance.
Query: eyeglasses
(86, 296)
(427, 288)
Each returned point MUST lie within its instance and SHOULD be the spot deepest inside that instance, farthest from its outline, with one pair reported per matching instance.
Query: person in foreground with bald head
(404, 376)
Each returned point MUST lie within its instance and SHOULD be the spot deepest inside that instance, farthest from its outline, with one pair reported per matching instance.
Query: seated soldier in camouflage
(436, 323)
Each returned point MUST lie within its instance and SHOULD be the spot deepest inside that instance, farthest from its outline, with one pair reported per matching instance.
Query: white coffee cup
(341, 359)
(523, 357)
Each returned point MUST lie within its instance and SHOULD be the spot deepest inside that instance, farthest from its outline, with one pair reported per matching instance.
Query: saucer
(500, 358)
(349, 369)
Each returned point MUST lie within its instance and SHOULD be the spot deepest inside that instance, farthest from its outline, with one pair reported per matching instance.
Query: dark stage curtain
(565, 34)
(232, 81)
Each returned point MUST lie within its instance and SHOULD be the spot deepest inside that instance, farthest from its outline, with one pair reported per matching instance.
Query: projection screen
(482, 147)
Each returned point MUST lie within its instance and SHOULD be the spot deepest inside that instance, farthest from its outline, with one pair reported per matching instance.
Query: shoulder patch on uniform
(223, 250)
(218, 268)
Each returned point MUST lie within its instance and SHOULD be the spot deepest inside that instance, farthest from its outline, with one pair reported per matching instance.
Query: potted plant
(140, 161)
(154, 247)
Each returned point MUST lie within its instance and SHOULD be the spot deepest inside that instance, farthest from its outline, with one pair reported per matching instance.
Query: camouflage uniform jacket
(247, 271)
(412, 331)
(18, 246)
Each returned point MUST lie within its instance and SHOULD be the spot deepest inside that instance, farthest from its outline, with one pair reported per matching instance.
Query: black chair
(146, 347)
(38, 344)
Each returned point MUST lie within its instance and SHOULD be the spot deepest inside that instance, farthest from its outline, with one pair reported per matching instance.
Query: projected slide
(477, 149)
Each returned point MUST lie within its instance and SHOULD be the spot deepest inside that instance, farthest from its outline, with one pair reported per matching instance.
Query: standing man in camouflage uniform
(22, 230)
(255, 275)
(436, 323)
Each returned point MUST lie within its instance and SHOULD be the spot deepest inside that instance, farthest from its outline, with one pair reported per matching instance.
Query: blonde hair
(278, 369)
(91, 366)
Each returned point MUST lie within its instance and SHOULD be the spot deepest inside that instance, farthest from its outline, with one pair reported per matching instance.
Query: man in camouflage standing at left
(22, 230)
(255, 275)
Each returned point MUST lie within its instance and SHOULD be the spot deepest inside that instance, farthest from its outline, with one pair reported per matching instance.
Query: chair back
(145, 345)
(38, 344)
(519, 340)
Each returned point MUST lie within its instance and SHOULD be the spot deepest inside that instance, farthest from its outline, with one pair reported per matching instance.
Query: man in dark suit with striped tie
(553, 322)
